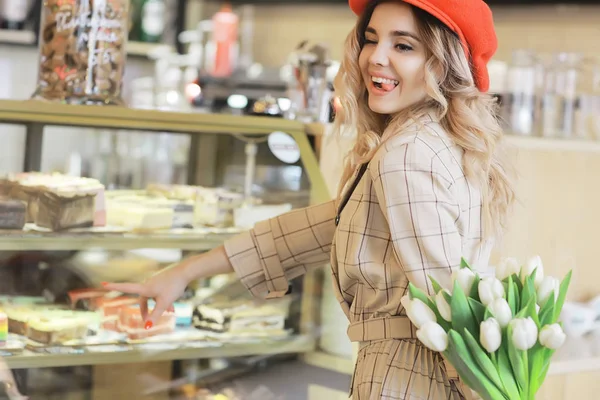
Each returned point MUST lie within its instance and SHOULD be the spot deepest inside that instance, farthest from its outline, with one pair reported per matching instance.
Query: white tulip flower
(418, 312)
(501, 311)
(465, 278)
(490, 289)
(507, 267)
(490, 335)
(524, 334)
(548, 287)
(532, 264)
(552, 336)
(433, 336)
(443, 306)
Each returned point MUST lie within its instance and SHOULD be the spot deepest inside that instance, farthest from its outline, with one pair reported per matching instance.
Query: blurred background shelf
(577, 355)
(24, 37)
(46, 113)
(551, 144)
(37, 241)
(142, 49)
(291, 345)
(28, 38)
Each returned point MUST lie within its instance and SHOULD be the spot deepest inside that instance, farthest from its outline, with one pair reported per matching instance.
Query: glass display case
(66, 337)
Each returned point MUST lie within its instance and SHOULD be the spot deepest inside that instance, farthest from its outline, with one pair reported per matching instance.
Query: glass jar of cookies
(82, 51)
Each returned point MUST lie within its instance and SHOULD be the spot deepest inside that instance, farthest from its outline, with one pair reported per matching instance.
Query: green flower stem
(525, 393)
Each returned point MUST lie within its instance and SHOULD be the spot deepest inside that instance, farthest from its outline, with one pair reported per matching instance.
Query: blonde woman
(423, 186)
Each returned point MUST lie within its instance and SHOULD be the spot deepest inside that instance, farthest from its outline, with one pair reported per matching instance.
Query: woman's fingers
(144, 307)
(159, 308)
(142, 290)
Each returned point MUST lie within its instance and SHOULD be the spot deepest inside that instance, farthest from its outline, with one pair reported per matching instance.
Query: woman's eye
(403, 47)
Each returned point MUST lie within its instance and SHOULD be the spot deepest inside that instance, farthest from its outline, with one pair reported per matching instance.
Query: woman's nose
(379, 56)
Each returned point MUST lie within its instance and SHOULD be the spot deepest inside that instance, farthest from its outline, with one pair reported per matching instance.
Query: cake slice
(13, 214)
(216, 317)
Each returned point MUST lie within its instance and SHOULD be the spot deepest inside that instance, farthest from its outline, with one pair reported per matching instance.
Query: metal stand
(251, 151)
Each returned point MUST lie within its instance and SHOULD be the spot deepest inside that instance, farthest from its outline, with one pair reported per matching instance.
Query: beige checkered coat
(412, 214)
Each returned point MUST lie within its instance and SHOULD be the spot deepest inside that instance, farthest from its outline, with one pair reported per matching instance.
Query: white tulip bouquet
(498, 332)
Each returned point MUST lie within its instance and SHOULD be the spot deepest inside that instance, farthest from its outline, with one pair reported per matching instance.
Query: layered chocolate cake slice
(242, 317)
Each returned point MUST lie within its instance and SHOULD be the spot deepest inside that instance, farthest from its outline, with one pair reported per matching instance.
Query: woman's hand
(169, 284)
(164, 288)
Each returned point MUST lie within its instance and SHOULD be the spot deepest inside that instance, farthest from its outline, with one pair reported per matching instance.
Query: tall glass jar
(561, 96)
(82, 51)
(519, 108)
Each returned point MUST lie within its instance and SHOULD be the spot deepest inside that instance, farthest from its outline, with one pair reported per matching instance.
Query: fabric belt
(382, 328)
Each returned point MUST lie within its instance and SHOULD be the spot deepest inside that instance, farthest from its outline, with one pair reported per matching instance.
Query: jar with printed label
(82, 51)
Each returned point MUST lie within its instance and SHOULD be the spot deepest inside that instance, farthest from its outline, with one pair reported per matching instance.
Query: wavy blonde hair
(466, 114)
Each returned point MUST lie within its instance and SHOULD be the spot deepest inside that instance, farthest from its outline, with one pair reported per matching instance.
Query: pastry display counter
(190, 341)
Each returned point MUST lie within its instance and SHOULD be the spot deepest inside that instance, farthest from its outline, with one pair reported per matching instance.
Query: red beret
(471, 20)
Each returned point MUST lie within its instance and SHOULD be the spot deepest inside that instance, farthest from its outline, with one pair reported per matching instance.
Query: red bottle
(225, 35)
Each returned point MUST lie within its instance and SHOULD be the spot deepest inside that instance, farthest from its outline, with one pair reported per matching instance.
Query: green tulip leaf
(528, 292)
(478, 311)
(506, 374)
(547, 311)
(465, 374)
(537, 358)
(524, 313)
(517, 289)
(532, 312)
(464, 263)
(475, 288)
(463, 362)
(416, 293)
(484, 362)
(517, 281)
(548, 353)
(436, 286)
(562, 296)
(448, 297)
(462, 317)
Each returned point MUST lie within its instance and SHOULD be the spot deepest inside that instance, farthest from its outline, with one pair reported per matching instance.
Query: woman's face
(392, 60)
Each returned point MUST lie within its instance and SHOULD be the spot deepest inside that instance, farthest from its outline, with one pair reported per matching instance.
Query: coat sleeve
(281, 248)
(415, 192)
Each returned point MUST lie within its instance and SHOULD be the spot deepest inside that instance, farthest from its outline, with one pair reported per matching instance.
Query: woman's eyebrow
(395, 33)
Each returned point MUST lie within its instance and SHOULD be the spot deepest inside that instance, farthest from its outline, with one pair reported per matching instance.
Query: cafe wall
(546, 29)
(278, 28)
